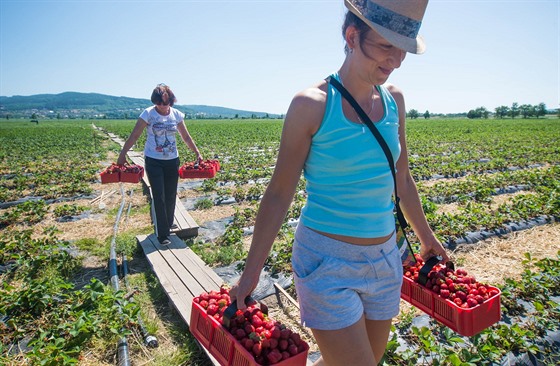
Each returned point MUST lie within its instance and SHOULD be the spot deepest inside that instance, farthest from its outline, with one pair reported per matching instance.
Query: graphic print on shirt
(161, 132)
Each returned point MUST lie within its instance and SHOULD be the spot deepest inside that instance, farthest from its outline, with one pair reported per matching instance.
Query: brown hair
(159, 91)
(352, 19)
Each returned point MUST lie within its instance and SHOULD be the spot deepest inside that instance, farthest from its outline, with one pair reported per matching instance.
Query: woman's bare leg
(362, 343)
(378, 332)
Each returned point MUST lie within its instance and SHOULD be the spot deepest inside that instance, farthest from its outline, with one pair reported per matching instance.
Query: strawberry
(274, 357)
(257, 349)
(293, 350)
(256, 321)
(212, 309)
(240, 333)
(283, 344)
(248, 343)
(285, 333)
(296, 338)
(472, 302)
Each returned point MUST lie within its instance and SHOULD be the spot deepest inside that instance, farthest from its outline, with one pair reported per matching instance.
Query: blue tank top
(348, 180)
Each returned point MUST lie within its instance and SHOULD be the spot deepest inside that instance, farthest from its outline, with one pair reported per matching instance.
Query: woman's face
(379, 57)
(163, 106)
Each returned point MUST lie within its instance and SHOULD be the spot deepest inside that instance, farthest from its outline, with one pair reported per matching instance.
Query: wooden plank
(183, 212)
(186, 226)
(205, 275)
(187, 276)
(166, 277)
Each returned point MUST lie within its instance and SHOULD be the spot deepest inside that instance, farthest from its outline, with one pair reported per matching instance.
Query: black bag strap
(367, 121)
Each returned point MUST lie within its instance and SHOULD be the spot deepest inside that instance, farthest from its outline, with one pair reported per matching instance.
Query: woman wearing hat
(162, 122)
(347, 267)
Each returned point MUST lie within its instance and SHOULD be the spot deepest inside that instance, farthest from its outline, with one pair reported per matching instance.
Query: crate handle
(428, 266)
(232, 308)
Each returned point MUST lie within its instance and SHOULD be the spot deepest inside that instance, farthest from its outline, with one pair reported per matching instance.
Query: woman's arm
(134, 136)
(302, 120)
(408, 193)
(185, 135)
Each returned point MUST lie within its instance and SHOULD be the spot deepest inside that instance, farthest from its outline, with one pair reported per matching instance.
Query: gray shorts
(337, 282)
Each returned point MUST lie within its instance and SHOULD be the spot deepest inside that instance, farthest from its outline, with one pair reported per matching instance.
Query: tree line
(523, 110)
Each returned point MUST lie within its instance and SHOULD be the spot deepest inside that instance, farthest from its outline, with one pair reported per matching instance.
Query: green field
(493, 172)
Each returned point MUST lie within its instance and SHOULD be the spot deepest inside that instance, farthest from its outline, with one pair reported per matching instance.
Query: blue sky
(255, 55)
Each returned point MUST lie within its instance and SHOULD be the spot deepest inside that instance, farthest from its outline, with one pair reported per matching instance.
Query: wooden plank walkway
(182, 274)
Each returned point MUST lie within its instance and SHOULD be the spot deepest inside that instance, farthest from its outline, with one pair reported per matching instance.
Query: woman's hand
(433, 248)
(241, 290)
(121, 160)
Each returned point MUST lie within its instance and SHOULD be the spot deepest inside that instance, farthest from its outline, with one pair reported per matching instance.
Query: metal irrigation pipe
(122, 346)
(149, 340)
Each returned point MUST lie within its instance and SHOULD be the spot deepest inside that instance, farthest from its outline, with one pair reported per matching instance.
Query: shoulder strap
(367, 121)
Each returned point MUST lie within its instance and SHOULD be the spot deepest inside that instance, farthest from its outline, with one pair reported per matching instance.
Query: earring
(351, 50)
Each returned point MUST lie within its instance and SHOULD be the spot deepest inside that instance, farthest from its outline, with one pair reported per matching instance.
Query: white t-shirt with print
(160, 141)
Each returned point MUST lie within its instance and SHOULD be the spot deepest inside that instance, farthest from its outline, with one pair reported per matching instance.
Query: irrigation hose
(149, 340)
(122, 346)
(129, 207)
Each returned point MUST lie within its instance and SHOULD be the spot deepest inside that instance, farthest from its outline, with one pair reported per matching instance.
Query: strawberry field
(490, 189)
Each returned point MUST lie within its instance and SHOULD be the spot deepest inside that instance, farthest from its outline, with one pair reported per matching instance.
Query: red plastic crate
(224, 347)
(208, 172)
(216, 164)
(107, 177)
(132, 177)
(467, 322)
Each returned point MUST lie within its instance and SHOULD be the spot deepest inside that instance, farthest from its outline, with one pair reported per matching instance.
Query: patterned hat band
(395, 22)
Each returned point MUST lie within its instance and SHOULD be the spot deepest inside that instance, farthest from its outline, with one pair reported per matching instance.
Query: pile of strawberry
(113, 169)
(455, 285)
(202, 165)
(131, 168)
(127, 168)
(268, 340)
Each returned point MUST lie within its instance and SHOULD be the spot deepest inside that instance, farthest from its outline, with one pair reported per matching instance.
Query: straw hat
(398, 21)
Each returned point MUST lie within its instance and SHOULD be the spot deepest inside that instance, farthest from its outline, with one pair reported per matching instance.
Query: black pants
(163, 176)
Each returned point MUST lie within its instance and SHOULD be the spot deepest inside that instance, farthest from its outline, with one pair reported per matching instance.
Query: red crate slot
(467, 322)
(201, 325)
(108, 177)
(406, 289)
(222, 345)
(422, 298)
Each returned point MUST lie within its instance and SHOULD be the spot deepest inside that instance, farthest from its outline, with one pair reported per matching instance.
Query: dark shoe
(173, 227)
(164, 241)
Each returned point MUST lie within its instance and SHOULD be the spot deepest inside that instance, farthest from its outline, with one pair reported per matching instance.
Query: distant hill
(94, 105)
